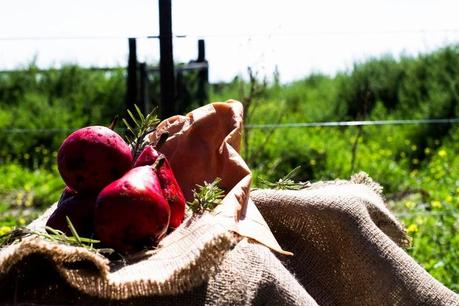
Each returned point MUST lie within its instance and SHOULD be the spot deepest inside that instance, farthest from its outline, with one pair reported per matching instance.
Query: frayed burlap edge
(364, 179)
(382, 217)
(186, 259)
(58, 253)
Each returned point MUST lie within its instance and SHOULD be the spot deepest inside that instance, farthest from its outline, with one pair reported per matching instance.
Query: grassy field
(418, 165)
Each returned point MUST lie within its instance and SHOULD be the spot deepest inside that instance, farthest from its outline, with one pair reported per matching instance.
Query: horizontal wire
(44, 131)
(20, 38)
(325, 33)
(425, 213)
(273, 126)
(352, 123)
(29, 130)
(223, 35)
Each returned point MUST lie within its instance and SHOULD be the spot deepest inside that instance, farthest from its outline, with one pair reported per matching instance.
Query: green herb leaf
(53, 235)
(287, 182)
(14, 235)
(139, 113)
(207, 197)
(72, 229)
(139, 128)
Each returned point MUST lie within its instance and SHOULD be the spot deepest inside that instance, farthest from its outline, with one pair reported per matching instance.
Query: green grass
(25, 193)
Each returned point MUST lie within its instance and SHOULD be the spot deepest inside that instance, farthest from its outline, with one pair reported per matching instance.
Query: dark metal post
(143, 88)
(203, 80)
(201, 50)
(166, 62)
(131, 90)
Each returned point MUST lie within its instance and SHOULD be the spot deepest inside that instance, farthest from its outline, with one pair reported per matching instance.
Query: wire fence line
(114, 37)
(230, 35)
(43, 131)
(354, 123)
(271, 126)
(425, 213)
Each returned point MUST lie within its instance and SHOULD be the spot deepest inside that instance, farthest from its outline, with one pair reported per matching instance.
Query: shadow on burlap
(348, 250)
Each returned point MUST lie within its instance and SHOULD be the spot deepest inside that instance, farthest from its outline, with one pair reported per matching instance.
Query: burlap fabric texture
(348, 250)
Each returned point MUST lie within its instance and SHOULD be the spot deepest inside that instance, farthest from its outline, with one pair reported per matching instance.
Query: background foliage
(416, 164)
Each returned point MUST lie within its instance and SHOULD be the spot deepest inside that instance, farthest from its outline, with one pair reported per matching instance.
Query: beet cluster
(127, 204)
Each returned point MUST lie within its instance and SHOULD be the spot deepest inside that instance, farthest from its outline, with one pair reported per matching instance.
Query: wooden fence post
(131, 88)
(203, 80)
(143, 88)
(166, 61)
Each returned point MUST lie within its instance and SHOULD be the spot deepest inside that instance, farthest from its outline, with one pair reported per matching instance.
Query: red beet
(131, 212)
(92, 157)
(169, 186)
(79, 207)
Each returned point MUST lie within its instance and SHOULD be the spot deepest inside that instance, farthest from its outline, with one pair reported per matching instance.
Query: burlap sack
(347, 245)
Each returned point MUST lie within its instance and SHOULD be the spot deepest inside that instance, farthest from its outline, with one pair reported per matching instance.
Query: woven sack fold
(349, 248)
(347, 245)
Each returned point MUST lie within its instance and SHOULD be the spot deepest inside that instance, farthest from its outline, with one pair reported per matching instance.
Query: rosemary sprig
(54, 235)
(139, 128)
(14, 235)
(206, 197)
(286, 182)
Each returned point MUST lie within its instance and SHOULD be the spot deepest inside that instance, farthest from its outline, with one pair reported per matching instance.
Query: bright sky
(297, 36)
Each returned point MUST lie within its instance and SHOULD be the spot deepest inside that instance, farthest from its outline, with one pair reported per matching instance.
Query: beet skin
(131, 212)
(92, 157)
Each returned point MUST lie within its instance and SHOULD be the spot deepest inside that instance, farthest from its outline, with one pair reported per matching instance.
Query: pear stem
(161, 140)
(113, 123)
(159, 162)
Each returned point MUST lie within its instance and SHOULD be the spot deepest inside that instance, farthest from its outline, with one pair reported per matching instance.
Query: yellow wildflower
(29, 200)
(412, 228)
(442, 153)
(436, 204)
(420, 220)
(5, 229)
(19, 198)
(410, 204)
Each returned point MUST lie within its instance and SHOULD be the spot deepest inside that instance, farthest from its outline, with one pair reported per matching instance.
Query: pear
(79, 208)
(169, 185)
(92, 157)
(131, 213)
